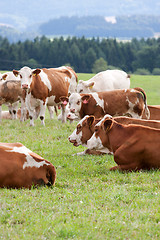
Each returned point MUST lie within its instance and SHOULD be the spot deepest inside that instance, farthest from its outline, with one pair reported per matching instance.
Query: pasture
(88, 201)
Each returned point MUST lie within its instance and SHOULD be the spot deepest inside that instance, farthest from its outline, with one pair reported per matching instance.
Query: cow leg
(42, 113)
(51, 111)
(63, 107)
(14, 110)
(23, 111)
(129, 167)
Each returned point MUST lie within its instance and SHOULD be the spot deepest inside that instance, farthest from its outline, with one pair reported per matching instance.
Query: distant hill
(122, 27)
(97, 26)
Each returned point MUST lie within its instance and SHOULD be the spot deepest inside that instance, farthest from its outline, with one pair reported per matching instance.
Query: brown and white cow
(154, 112)
(134, 146)
(85, 129)
(130, 102)
(44, 87)
(13, 107)
(83, 132)
(10, 93)
(22, 168)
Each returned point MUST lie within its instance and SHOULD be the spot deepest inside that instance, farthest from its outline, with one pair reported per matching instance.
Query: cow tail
(147, 112)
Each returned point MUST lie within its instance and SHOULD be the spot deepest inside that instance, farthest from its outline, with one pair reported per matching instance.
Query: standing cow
(10, 93)
(12, 106)
(45, 86)
(104, 81)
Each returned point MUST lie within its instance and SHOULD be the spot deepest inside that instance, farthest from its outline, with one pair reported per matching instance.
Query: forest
(84, 55)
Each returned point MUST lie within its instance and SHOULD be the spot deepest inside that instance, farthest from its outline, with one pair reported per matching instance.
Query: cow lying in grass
(21, 168)
(85, 129)
(134, 146)
(130, 102)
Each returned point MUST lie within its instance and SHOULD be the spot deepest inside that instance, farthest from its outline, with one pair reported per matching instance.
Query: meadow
(88, 201)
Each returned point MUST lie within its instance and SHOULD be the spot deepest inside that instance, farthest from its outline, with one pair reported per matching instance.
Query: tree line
(84, 55)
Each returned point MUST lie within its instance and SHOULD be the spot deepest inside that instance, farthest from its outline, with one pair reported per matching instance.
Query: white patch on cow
(131, 106)
(133, 90)
(45, 79)
(95, 143)
(73, 100)
(99, 101)
(51, 101)
(77, 137)
(30, 160)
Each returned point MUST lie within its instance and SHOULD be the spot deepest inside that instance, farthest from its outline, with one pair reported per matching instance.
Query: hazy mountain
(22, 13)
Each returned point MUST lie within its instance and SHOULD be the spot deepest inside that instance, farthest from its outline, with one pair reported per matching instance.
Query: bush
(99, 65)
(142, 71)
(156, 71)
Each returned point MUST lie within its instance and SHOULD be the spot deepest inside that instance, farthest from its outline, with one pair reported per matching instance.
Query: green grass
(88, 201)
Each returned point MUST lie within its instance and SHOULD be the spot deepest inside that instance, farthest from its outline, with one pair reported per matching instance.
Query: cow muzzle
(73, 141)
(24, 86)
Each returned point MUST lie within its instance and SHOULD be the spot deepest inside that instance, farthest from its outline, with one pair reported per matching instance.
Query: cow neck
(117, 136)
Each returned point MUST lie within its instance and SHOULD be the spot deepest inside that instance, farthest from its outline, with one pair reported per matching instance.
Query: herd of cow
(114, 119)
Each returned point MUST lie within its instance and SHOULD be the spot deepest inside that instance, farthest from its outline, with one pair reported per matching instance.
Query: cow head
(26, 75)
(99, 139)
(83, 131)
(75, 102)
(85, 87)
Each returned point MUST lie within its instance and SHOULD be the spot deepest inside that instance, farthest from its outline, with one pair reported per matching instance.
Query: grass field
(88, 201)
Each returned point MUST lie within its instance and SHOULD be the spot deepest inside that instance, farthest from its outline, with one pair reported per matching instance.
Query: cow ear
(36, 72)
(4, 76)
(15, 72)
(108, 124)
(90, 120)
(64, 100)
(81, 81)
(90, 85)
(85, 99)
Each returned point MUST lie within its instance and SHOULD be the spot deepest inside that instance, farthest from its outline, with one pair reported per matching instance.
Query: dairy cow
(85, 129)
(22, 168)
(134, 146)
(104, 81)
(11, 93)
(45, 87)
(12, 106)
(129, 102)
(83, 132)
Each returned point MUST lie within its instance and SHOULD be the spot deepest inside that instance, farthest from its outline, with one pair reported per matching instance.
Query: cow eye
(30, 76)
(80, 91)
(96, 130)
(20, 76)
(78, 102)
(79, 128)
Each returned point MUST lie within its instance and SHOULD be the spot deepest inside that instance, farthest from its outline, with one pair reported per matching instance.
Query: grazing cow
(130, 102)
(104, 81)
(44, 87)
(10, 93)
(134, 146)
(85, 129)
(154, 112)
(21, 168)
